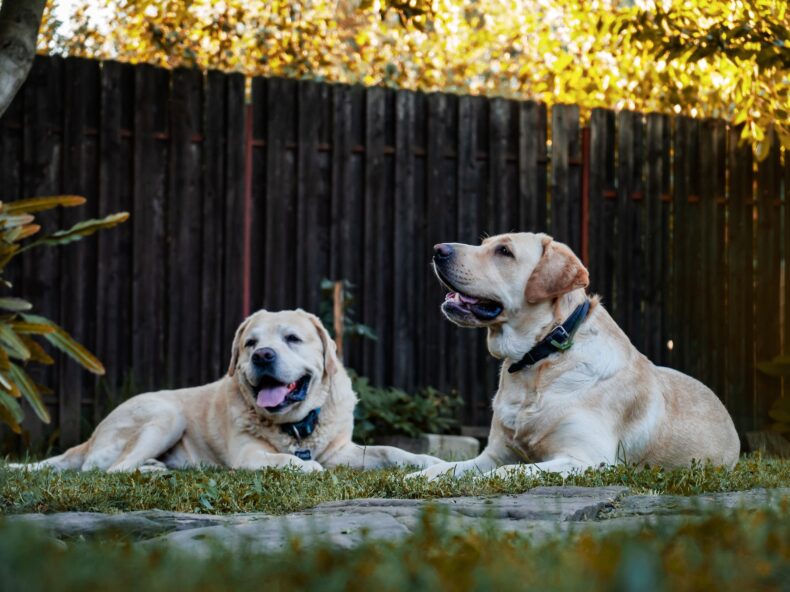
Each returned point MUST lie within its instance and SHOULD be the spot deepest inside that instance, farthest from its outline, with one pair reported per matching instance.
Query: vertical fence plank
(740, 303)
(658, 205)
(313, 207)
(786, 206)
(714, 191)
(442, 214)
(630, 260)
(503, 215)
(566, 176)
(767, 285)
(233, 251)
(532, 167)
(184, 226)
(42, 175)
(78, 291)
(470, 213)
(375, 292)
(213, 350)
(280, 194)
(680, 290)
(404, 221)
(259, 193)
(149, 240)
(113, 290)
(602, 207)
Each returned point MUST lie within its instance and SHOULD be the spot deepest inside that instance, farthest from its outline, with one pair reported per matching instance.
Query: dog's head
(283, 361)
(510, 280)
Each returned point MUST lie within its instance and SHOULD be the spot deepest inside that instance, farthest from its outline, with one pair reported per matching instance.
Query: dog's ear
(236, 347)
(331, 362)
(558, 272)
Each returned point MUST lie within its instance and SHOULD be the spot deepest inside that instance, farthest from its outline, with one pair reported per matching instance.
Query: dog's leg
(151, 442)
(564, 466)
(374, 457)
(495, 454)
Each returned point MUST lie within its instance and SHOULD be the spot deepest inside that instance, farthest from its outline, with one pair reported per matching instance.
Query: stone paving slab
(538, 513)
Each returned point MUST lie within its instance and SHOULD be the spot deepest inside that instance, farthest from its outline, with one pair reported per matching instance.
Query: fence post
(585, 230)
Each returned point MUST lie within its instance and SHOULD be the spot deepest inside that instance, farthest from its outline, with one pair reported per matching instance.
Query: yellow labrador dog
(285, 401)
(573, 391)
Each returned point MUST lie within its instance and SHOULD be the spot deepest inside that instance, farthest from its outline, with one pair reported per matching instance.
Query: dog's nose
(442, 251)
(264, 356)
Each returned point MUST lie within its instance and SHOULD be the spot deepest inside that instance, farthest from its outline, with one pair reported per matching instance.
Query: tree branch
(19, 24)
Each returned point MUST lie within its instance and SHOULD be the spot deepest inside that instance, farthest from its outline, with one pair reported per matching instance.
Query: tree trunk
(19, 24)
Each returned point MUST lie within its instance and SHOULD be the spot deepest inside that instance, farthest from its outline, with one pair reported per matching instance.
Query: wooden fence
(239, 206)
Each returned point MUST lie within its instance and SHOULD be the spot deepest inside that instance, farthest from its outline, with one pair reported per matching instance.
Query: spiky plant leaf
(29, 392)
(10, 412)
(15, 304)
(25, 328)
(12, 343)
(39, 204)
(37, 353)
(67, 344)
(78, 231)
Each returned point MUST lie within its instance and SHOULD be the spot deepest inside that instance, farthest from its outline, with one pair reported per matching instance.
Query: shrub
(388, 411)
(19, 329)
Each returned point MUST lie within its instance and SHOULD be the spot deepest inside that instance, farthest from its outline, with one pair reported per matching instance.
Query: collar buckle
(560, 338)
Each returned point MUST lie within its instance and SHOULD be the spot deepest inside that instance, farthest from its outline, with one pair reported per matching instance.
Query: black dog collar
(304, 427)
(560, 339)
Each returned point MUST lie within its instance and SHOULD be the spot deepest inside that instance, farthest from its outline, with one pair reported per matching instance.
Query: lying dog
(573, 391)
(285, 401)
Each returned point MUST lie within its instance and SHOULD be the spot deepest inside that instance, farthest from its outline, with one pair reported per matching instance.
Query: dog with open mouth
(286, 400)
(573, 391)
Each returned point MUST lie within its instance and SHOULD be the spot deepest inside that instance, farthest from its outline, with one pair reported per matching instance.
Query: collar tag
(303, 454)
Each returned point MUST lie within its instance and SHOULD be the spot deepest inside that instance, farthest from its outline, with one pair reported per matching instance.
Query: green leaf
(12, 343)
(10, 412)
(78, 231)
(29, 391)
(67, 344)
(15, 304)
(39, 204)
(779, 366)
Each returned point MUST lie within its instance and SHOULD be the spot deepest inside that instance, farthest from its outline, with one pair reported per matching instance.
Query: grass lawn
(276, 491)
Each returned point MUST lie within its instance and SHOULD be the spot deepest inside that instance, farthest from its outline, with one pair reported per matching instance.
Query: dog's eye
(249, 343)
(291, 338)
(504, 251)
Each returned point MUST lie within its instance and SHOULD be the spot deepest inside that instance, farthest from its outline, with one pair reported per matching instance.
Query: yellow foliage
(702, 58)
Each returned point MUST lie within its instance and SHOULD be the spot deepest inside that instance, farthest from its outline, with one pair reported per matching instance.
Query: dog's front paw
(309, 466)
(434, 472)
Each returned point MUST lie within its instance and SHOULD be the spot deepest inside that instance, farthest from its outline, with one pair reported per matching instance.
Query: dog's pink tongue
(271, 397)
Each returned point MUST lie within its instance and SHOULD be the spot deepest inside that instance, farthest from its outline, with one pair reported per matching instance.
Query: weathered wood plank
(630, 259)
(502, 215)
(603, 208)
(740, 297)
(657, 196)
(78, 290)
(313, 203)
(213, 352)
(768, 239)
(714, 150)
(378, 213)
(532, 167)
(149, 305)
(113, 287)
(235, 212)
(42, 174)
(184, 227)
(680, 331)
(566, 195)
(404, 220)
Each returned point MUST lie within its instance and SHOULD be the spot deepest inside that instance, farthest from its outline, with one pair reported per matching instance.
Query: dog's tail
(73, 458)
